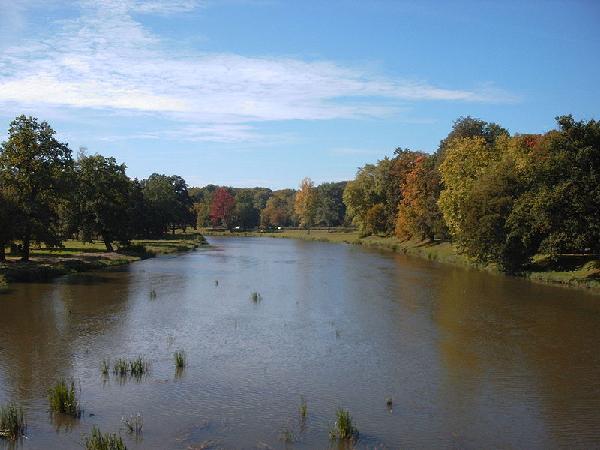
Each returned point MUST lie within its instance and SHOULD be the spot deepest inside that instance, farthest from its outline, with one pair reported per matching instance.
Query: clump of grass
(98, 441)
(152, 294)
(389, 403)
(105, 367)
(303, 409)
(138, 367)
(121, 367)
(134, 424)
(12, 422)
(256, 297)
(343, 429)
(180, 359)
(63, 399)
(287, 436)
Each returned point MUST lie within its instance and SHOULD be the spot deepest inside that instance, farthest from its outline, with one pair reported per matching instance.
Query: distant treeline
(502, 199)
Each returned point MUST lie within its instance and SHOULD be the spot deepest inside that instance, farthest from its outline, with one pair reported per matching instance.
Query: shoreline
(584, 276)
(76, 256)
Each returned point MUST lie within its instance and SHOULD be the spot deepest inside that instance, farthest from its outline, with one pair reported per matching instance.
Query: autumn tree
(279, 209)
(418, 213)
(222, 207)
(330, 210)
(37, 168)
(305, 205)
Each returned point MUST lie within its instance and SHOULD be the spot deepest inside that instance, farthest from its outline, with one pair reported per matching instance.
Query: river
(469, 359)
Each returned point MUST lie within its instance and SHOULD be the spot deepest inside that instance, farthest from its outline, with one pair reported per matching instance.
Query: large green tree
(102, 200)
(38, 169)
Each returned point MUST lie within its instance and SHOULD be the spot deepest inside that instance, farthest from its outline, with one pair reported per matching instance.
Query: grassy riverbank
(569, 270)
(77, 256)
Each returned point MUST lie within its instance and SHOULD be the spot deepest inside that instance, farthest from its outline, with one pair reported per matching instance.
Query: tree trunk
(2, 251)
(173, 230)
(109, 246)
(26, 245)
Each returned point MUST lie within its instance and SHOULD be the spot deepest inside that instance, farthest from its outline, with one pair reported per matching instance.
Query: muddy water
(471, 360)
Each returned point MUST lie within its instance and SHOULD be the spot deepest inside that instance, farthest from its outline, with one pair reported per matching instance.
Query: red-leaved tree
(221, 208)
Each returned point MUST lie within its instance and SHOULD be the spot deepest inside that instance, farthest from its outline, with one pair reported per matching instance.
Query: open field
(570, 270)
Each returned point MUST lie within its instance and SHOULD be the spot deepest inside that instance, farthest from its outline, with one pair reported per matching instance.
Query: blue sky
(266, 92)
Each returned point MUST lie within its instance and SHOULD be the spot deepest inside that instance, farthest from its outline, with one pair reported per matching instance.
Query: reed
(138, 367)
(344, 428)
(121, 367)
(180, 359)
(256, 297)
(134, 424)
(63, 399)
(12, 422)
(98, 441)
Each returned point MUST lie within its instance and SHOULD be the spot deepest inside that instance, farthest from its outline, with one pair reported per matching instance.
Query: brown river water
(470, 359)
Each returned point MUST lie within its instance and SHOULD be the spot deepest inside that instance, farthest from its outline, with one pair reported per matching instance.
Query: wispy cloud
(106, 60)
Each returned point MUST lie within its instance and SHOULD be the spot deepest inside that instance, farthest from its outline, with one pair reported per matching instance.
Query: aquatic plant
(12, 422)
(121, 367)
(134, 423)
(105, 367)
(180, 359)
(287, 436)
(388, 402)
(256, 297)
(63, 399)
(343, 427)
(138, 367)
(303, 408)
(152, 294)
(98, 441)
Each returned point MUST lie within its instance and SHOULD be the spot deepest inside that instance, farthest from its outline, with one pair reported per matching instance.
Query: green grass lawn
(78, 256)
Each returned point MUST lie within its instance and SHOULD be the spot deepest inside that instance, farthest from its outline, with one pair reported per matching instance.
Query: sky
(265, 92)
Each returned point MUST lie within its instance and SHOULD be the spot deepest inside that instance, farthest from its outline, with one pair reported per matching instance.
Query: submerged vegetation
(98, 441)
(12, 422)
(343, 428)
(256, 297)
(63, 399)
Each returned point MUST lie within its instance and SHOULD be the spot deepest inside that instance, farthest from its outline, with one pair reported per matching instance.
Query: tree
(468, 127)
(168, 203)
(331, 210)
(221, 208)
(10, 219)
(418, 212)
(37, 168)
(279, 210)
(245, 213)
(306, 203)
(102, 199)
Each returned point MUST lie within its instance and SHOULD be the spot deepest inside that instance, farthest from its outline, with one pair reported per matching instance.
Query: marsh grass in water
(287, 436)
(12, 422)
(98, 441)
(180, 359)
(133, 424)
(303, 409)
(344, 428)
(138, 367)
(256, 297)
(121, 367)
(105, 367)
(63, 399)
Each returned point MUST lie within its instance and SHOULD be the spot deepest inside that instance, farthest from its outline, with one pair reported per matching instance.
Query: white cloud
(107, 60)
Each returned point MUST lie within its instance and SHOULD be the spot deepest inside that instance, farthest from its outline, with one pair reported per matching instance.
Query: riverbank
(570, 270)
(77, 256)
